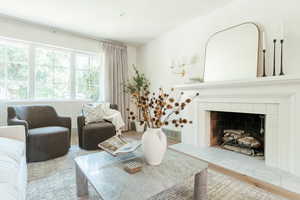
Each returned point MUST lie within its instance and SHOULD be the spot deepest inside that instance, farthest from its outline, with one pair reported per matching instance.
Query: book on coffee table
(116, 145)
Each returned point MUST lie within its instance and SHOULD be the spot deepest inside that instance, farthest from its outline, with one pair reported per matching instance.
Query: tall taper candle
(281, 57)
(274, 58)
(264, 41)
(264, 63)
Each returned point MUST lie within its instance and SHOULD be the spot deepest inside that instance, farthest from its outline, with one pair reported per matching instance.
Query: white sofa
(13, 167)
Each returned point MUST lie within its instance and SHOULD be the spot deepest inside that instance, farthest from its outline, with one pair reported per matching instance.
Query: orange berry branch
(161, 109)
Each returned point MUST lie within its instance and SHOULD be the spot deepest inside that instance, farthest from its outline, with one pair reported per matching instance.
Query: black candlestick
(274, 58)
(281, 57)
(264, 63)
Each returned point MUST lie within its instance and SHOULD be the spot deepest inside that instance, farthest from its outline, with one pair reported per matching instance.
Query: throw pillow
(93, 113)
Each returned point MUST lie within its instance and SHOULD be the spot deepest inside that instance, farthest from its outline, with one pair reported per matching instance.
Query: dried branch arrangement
(161, 109)
(137, 87)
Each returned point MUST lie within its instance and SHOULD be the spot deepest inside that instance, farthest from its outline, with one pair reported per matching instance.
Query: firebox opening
(239, 132)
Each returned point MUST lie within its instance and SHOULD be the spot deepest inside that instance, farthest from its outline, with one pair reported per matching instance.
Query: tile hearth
(244, 165)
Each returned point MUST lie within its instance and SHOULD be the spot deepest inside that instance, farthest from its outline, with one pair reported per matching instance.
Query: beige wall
(189, 39)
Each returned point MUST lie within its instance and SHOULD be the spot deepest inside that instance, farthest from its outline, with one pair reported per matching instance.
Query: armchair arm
(13, 132)
(114, 106)
(65, 122)
(18, 122)
(80, 125)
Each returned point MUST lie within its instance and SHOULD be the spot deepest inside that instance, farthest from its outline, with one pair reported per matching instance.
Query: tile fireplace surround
(278, 98)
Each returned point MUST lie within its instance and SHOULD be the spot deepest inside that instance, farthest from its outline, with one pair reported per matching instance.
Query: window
(52, 74)
(14, 70)
(35, 71)
(87, 77)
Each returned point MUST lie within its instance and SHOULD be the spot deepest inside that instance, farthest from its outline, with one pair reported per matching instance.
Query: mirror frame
(229, 28)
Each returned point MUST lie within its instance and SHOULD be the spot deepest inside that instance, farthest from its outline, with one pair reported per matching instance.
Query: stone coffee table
(106, 174)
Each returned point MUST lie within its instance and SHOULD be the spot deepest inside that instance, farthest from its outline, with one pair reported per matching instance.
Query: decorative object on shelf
(178, 69)
(157, 110)
(181, 66)
(136, 87)
(274, 57)
(264, 55)
(264, 63)
(281, 48)
(281, 57)
(197, 79)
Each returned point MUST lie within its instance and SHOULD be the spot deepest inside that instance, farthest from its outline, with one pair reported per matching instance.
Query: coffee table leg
(200, 186)
(81, 183)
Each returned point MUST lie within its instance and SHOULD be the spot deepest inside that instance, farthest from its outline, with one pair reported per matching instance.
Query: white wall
(189, 39)
(18, 30)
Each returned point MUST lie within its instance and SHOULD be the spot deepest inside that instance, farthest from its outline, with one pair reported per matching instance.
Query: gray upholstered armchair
(90, 135)
(47, 134)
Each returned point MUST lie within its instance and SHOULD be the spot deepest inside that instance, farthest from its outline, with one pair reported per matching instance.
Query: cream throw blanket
(98, 112)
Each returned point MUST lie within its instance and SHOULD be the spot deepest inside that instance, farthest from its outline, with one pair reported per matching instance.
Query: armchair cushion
(96, 126)
(50, 130)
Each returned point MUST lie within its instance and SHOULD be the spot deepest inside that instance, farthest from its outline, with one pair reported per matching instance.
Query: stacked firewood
(239, 141)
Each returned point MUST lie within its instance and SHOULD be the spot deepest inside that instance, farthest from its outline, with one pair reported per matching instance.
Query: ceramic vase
(154, 144)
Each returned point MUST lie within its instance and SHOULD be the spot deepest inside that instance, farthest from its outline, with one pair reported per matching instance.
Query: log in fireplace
(239, 132)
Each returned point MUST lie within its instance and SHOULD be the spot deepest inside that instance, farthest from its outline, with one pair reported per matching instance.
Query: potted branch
(137, 87)
(158, 110)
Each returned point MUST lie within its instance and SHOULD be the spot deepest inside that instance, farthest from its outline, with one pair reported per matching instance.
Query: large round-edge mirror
(232, 54)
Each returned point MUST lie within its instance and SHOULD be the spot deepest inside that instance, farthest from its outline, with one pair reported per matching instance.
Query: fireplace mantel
(276, 97)
(259, 81)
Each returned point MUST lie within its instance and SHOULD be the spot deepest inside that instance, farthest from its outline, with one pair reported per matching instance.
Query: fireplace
(239, 132)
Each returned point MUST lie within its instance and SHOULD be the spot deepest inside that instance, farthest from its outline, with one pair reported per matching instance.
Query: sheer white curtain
(115, 75)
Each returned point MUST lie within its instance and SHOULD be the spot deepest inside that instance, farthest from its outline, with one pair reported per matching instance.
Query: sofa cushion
(9, 170)
(12, 148)
(9, 192)
(22, 179)
(50, 130)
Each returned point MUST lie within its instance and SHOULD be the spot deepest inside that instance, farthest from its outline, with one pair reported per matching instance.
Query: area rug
(55, 180)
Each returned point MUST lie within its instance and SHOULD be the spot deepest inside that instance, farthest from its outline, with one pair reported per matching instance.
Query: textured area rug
(55, 180)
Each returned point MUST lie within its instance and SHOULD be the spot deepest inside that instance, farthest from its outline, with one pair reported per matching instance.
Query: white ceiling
(142, 20)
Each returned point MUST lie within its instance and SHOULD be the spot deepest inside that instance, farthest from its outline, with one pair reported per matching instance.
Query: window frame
(91, 59)
(31, 82)
(8, 44)
(53, 65)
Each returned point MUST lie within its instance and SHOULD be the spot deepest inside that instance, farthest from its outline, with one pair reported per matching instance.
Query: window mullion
(53, 73)
(32, 62)
(5, 72)
(73, 76)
